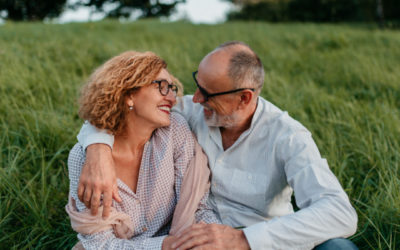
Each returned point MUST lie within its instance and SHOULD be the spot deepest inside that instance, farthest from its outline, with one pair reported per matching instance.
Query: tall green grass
(342, 82)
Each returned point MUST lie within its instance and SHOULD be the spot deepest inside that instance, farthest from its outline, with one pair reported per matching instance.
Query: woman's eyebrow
(163, 79)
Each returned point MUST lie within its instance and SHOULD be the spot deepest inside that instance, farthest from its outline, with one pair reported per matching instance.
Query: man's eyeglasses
(207, 95)
(164, 86)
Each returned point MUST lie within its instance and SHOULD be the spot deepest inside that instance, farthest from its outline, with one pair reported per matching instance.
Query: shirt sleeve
(325, 210)
(89, 134)
(205, 212)
(183, 153)
(105, 239)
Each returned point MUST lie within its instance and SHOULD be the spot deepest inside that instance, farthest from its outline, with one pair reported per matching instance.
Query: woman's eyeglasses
(164, 86)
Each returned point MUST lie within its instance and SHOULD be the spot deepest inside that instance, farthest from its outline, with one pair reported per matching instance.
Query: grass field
(342, 82)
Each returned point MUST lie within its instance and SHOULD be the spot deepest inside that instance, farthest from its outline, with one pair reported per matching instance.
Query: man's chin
(207, 113)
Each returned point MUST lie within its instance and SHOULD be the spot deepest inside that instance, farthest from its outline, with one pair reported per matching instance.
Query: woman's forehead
(164, 74)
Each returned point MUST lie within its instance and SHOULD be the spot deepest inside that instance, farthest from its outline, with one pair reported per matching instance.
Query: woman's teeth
(164, 108)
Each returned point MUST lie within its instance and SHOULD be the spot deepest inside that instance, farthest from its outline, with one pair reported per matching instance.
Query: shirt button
(249, 177)
(219, 161)
(144, 229)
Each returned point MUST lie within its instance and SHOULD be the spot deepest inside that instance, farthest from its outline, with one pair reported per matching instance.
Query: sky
(197, 11)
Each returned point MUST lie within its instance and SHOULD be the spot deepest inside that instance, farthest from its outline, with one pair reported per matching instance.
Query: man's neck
(231, 134)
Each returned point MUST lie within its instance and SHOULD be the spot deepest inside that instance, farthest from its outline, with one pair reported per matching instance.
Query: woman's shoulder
(177, 133)
(76, 158)
(179, 123)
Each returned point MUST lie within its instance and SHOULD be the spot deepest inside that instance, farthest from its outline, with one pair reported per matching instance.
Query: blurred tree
(31, 10)
(324, 10)
(317, 10)
(268, 10)
(124, 8)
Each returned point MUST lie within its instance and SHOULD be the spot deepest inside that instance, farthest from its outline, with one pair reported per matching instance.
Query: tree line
(264, 10)
(36, 10)
(317, 10)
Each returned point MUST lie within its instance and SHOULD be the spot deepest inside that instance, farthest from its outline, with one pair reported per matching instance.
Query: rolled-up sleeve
(89, 134)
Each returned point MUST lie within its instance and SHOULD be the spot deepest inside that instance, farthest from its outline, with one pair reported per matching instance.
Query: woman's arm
(188, 153)
(205, 213)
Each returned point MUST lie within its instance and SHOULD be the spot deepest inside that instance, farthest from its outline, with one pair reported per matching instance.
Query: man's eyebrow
(200, 85)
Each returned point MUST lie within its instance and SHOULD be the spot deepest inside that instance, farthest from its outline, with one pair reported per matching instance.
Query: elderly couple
(140, 180)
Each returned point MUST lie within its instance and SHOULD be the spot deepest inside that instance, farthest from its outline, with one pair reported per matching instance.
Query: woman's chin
(164, 123)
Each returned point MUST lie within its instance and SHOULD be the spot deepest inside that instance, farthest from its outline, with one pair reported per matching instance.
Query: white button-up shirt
(253, 180)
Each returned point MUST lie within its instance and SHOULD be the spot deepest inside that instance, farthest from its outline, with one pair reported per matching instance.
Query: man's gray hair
(245, 67)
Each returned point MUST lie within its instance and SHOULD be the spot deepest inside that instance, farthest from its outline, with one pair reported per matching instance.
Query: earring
(130, 107)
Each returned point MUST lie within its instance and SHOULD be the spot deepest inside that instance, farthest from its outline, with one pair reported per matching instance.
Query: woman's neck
(134, 137)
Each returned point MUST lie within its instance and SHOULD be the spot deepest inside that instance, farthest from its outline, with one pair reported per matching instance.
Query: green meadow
(341, 81)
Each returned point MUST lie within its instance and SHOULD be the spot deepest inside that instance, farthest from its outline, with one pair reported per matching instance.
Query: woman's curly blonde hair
(102, 100)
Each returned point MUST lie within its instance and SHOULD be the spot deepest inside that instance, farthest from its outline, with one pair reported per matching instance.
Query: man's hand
(211, 236)
(97, 178)
(166, 245)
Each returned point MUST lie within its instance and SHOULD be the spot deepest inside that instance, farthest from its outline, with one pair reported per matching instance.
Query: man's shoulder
(278, 120)
(191, 112)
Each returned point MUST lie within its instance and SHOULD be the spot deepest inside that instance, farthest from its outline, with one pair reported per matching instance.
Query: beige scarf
(195, 184)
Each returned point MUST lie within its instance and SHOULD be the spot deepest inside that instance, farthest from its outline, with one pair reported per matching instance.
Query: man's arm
(325, 213)
(98, 174)
(325, 210)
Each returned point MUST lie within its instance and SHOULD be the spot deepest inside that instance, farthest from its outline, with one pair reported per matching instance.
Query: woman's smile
(166, 108)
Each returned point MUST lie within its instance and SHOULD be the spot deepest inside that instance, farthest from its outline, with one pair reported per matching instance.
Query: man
(258, 156)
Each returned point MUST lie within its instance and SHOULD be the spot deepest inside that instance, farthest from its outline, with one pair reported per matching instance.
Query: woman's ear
(130, 100)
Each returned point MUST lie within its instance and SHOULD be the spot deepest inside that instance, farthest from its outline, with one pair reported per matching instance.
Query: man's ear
(245, 97)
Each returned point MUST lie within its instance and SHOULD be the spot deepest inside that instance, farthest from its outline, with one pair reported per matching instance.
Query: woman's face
(150, 106)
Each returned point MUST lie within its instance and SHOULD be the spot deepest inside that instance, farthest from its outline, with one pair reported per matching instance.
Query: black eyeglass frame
(173, 87)
(206, 95)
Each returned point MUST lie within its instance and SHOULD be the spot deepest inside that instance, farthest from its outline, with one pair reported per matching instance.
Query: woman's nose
(171, 96)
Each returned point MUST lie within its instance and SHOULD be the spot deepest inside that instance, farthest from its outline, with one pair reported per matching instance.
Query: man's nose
(198, 97)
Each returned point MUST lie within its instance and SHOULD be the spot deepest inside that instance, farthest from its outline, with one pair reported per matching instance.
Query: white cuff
(91, 135)
(256, 236)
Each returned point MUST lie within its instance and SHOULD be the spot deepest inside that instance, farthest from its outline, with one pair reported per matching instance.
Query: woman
(131, 96)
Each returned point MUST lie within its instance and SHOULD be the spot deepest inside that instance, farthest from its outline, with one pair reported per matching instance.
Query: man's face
(219, 111)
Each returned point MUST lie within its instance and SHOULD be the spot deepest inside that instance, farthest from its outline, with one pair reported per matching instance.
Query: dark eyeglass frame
(207, 95)
(162, 90)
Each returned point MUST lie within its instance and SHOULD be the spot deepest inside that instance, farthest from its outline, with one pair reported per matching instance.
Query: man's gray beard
(225, 121)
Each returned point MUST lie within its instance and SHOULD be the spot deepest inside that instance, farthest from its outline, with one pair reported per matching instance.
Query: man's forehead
(215, 64)
(213, 73)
